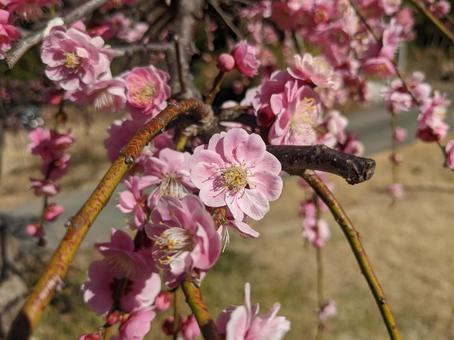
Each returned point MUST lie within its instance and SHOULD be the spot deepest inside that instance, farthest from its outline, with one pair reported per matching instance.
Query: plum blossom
(235, 169)
(244, 323)
(226, 62)
(29, 10)
(396, 190)
(168, 174)
(184, 238)
(189, 328)
(43, 187)
(449, 149)
(245, 57)
(147, 90)
(327, 310)
(105, 95)
(298, 115)
(431, 125)
(137, 325)
(163, 301)
(315, 70)
(121, 265)
(399, 134)
(133, 200)
(8, 33)
(317, 233)
(52, 212)
(73, 59)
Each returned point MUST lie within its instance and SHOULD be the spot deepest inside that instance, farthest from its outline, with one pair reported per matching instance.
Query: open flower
(147, 90)
(236, 170)
(246, 60)
(29, 10)
(184, 237)
(244, 323)
(74, 59)
(314, 70)
(137, 325)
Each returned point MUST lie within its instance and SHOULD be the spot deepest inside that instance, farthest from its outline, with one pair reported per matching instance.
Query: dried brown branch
(295, 159)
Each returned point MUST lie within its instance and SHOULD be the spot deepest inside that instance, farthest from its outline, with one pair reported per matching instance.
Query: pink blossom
(315, 231)
(431, 126)
(334, 124)
(400, 134)
(397, 97)
(44, 187)
(121, 27)
(147, 90)
(245, 57)
(137, 325)
(184, 237)
(352, 146)
(327, 310)
(396, 158)
(90, 336)
(168, 174)
(314, 70)
(75, 60)
(105, 95)
(30, 10)
(163, 301)
(235, 169)
(226, 62)
(297, 110)
(190, 329)
(449, 149)
(391, 6)
(379, 66)
(418, 87)
(8, 33)
(121, 131)
(134, 199)
(53, 211)
(396, 190)
(34, 230)
(244, 323)
(121, 263)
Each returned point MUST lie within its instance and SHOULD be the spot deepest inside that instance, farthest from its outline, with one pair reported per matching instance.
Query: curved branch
(295, 159)
(352, 236)
(78, 226)
(200, 311)
(23, 45)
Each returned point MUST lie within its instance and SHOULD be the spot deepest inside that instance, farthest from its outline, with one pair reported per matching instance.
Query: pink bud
(167, 325)
(400, 134)
(226, 62)
(53, 211)
(113, 317)
(163, 301)
(265, 117)
(32, 230)
(396, 158)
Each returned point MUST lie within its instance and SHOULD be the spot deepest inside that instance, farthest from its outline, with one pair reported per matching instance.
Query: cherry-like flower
(137, 325)
(314, 70)
(449, 149)
(244, 323)
(246, 60)
(184, 238)
(235, 169)
(147, 90)
(29, 10)
(74, 59)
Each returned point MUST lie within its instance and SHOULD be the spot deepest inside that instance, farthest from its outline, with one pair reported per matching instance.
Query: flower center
(72, 60)
(305, 115)
(145, 94)
(171, 243)
(234, 177)
(171, 186)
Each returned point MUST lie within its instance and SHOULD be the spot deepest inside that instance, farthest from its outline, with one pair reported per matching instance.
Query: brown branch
(295, 159)
(437, 22)
(352, 236)
(200, 311)
(121, 51)
(78, 226)
(23, 45)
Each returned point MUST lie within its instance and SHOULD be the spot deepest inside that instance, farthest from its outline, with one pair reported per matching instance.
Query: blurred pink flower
(43, 187)
(30, 10)
(163, 301)
(400, 134)
(244, 323)
(246, 60)
(190, 329)
(431, 125)
(235, 169)
(315, 231)
(74, 59)
(449, 149)
(327, 310)
(184, 237)
(313, 70)
(396, 190)
(379, 66)
(137, 325)
(8, 33)
(147, 90)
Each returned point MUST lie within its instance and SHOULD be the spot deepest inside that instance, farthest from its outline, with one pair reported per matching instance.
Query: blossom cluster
(51, 147)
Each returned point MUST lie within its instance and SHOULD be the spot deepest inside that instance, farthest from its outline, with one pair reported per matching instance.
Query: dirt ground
(410, 244)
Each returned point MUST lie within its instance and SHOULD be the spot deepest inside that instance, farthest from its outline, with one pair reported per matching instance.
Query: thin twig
(295, 159)
(437, 22)
(78, 226)
(23, 45)
(352, 236)
(200, 311)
